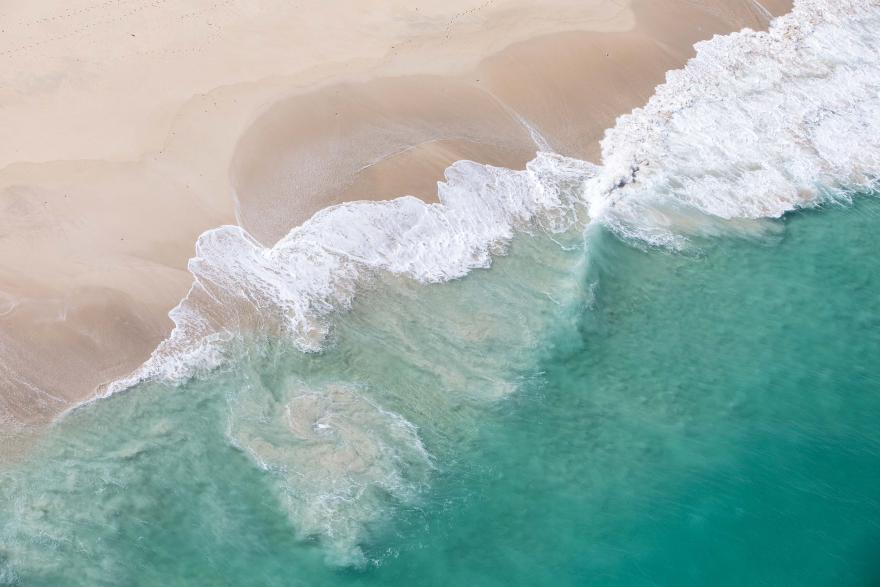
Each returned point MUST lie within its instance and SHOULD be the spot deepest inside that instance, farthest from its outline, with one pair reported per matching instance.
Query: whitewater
(756, 125)
(359, 355)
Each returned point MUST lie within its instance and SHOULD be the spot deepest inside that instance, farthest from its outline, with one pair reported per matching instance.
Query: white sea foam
(292, 288)
(758, 124)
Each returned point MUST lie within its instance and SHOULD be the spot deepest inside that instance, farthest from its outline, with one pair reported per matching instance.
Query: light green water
(611, 415)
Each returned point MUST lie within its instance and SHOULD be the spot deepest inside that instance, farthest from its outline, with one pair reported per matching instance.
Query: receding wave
(757, 125)
(338, 454)
(291, 289)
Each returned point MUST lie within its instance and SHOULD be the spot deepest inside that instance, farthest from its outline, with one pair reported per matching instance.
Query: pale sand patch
(131, 125)
(393, 136)
(372, 140)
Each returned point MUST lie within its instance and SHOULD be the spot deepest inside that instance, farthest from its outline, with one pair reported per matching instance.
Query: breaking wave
(756, 125)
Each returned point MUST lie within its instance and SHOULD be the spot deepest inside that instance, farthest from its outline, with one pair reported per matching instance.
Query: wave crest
(756, 125)
(291, 289)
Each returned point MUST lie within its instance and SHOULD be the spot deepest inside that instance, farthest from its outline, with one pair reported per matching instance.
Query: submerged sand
(132, 127)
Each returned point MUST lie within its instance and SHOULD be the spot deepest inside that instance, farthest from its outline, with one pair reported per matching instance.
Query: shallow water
(712, 420)
(684, 390)
(594, 412)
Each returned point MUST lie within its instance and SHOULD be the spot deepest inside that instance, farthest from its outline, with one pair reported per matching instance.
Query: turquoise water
(586, 412)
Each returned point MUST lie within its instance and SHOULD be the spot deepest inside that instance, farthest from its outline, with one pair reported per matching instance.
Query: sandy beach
(133, 126)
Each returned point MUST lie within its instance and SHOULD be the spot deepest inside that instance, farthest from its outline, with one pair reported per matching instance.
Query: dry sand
(131, 126)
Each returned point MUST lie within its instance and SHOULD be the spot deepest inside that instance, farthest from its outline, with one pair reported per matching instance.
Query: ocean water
(660, 370)
(677, 419)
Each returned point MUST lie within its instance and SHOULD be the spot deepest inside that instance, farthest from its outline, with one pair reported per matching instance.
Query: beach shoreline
(99, 225)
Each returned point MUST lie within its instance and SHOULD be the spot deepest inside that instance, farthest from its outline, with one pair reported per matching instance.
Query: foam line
(756, 125)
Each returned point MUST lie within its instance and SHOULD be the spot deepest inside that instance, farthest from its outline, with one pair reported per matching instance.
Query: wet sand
(133, 127)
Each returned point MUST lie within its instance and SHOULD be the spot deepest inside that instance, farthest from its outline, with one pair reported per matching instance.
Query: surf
(757, 125)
